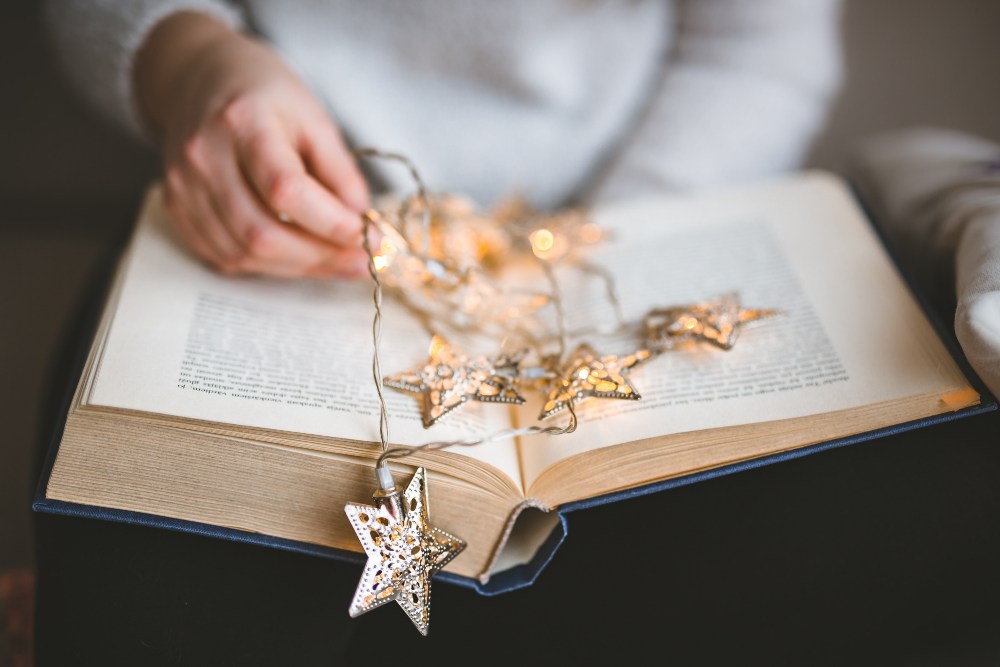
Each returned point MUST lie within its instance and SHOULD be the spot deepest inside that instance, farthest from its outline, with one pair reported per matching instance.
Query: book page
(285, 355)
(851, 334)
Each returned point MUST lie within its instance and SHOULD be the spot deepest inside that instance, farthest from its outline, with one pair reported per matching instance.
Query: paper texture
(296, 356)
(852, 334)
(283, 355)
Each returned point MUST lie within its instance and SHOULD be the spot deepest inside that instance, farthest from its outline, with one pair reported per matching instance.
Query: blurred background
(69, 184)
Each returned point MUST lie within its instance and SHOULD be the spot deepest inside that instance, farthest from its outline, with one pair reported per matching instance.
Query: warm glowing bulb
(542, 242)
(437, 345)
(380, 262)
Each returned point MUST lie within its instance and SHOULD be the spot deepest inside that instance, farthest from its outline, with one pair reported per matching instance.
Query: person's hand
(257, 177)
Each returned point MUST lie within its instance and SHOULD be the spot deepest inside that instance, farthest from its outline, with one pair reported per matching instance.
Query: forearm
(96, 42)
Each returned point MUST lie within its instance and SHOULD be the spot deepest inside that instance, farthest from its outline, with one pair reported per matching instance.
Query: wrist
(170, 56)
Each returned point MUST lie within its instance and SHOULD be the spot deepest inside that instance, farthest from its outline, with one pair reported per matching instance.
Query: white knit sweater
(560, 100)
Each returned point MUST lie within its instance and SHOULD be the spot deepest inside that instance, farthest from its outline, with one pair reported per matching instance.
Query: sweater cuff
(98, 41)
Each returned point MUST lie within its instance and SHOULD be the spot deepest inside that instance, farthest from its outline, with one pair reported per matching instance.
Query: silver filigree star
(589, 376)
(403, 553)
(717, 321)
(450, 379)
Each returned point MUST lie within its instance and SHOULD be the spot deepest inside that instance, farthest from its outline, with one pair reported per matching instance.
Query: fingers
(265, 242)
(334, 165)
(204, 217)
(348, 266)
(267, 154)
(188, 231)
(279, 177)
(216, 211)
(194, 218)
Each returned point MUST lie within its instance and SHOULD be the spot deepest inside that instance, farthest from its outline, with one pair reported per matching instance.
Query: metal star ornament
(589, 376)
(403, 550)
(717, 321)
(450, 379)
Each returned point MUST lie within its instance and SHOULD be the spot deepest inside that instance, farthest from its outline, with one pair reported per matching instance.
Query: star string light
(404, 551)
(446, 271)
(717, 321)
(551, 236)
(588, 376)
(450, 379)
(448, 284)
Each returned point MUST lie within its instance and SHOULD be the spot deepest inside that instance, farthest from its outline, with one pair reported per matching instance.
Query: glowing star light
(451, 379)
(403, 549)
(717, 321)
(587, 376)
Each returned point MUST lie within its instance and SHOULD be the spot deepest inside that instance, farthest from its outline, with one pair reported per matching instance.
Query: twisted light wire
(400, 452)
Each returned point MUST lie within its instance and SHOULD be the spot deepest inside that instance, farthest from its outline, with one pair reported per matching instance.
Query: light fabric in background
(937, 195)
(563, 100)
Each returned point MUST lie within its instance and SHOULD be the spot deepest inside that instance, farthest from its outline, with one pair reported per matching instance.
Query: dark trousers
(882, 552)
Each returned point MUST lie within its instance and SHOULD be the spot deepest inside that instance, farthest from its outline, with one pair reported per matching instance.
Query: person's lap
(856, 552)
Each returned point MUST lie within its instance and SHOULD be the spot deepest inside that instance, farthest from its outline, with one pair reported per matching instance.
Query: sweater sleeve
(743, 94)
(96, 42)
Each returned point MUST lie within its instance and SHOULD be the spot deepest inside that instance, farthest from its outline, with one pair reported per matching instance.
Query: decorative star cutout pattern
(451, 379)
(403, 553)
(587, 376)
(717, 321)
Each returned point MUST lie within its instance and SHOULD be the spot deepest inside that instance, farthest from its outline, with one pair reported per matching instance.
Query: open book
(248, 403)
